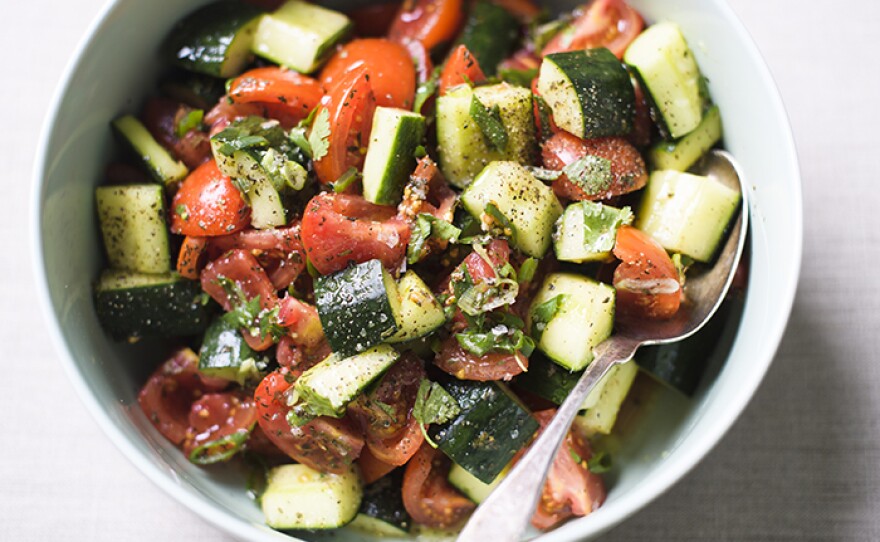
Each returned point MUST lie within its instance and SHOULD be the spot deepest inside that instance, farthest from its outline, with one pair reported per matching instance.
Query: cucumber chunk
(225, 354)
(687, 213)
(300, 35)
(584, 317)
(587, 231)
(163, 167)
(603, 403)
(462, 148)
(669, 70)
(682, 154)
(529, 205)
(382, 512)
(420, 312)
(490, 34)
(132, 219)
(391, 157)
(471, 486)
(589, 91)
(299, 497)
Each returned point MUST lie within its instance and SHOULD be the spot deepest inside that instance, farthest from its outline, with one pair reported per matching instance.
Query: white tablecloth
(803, 463)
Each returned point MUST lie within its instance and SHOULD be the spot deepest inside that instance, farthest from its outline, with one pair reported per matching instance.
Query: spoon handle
(505, 515)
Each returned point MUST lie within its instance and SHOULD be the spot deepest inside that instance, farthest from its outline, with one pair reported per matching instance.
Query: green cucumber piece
(471, 486)
(195, 90)
(547, 379)
(134, 305)
(669, 70)
(420, 312)
(528, 204)
(163, 167)
(299, 497)
(492, 426)
(463, 151)
(584, 318)
(214, 39)
(587, 231)
(327, 388)
(300, 35)
(490, 34)
(357, 307)
(382, 511)
(390, 156)
(602, 405)
(132, 219)
(687, 213)
(225, 354)
(589, 91)
(682, 154)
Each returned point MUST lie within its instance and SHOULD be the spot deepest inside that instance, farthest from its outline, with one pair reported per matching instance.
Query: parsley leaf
(426, 90)
(425, 227)
(191, 121)
(500, 338)
(319, 136)
(592, 174)
(248, 314)
(544, 313)
(433, 405)
(489, 122)
(599, 463)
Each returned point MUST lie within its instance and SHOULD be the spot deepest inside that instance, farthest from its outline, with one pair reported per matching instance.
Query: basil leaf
(592, 174)
(434, 404)
(544, 113)
(319, 135)
(499, 339)
(425, 227)
(486, 296)
(489, 122)
(544, 313)
(219, 450)
(501, 222)
(191, 121)
(426, 90)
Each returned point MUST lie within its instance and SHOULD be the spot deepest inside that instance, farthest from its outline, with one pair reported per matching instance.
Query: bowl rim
(683, 461)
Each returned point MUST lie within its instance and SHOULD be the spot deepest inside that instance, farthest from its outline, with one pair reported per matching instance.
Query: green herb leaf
(599, 463)
(521, 78)
(182, 211)
(527, 270)
(345, 180)
(420, 152)
(575, 456)
(681, 262)
(425, 227)
(592, 174)
(219, 450)
(486, 296)
(544, 313)
(500, 223)
(544, 174)
(191, 121)
(319, 136)
(544, 113)
(500, 338)
(433, 405)
(248, 314)
(427, 89)
(489, 122)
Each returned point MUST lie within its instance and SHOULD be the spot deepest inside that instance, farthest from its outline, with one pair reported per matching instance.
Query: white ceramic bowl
(116, 65)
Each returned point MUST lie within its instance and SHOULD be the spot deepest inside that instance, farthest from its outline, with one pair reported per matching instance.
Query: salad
(385, 243)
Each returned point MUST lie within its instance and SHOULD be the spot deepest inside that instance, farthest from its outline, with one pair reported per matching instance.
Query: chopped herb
(527, 270)
(489, 122)
(544, 174)
(592, 174)
(182, 211)
(486, 296)
(219, 450)
(345, 180)
(681, 262)
(425, 227)
(599, 463)
(501, 222)
(500, 338)
(420, 152)
(191, 121)
(433, 405)
(544, 313)
(426, 90)
(319, 135)
(310, 267)
(521, 78)
(248, 314)
(575, 456)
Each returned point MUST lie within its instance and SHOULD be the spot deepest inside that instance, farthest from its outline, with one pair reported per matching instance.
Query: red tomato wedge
(371, 468)
(350, 108)
(399, 449)
(389, 66)
(571, 489)
(324, 444)
(427, 495)
(431, 22)
(339, 229)
(605, 23)
(302, 322)
(219, 425)
(287, 92)
(384, 411)
(462, 68)
(455, 360)
(646, 280)
(628, 169)
(207, 204)
(189, 262)
(162, 117)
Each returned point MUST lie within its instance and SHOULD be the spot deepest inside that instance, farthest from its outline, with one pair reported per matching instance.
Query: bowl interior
(117, 66)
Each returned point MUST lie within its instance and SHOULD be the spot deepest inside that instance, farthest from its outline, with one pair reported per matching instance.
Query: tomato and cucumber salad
(384, 244)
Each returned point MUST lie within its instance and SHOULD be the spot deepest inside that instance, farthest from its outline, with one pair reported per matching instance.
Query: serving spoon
(505, 514)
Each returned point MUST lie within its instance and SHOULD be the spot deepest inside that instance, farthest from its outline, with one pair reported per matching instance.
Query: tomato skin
(374, 20)
(192, 253)
(389, 67)
(461, 68)
(524, 10)
(455, 360)
(217, 415)
(427, 495)
(605, 23)
(371, 468)
(161, 117)
(302, 322)
(431, 22)
(646, 280)
(296, 358)
(350, 106)
(399, 449)
(287, 93)
(571, 489)
(324, 444)
(167, 396)
(339, 229)
(627, 166)
(208, 204)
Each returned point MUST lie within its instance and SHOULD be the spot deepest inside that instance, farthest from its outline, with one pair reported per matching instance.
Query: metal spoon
(505, 514)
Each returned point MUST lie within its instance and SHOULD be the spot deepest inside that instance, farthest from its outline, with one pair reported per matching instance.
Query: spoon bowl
(504, 515)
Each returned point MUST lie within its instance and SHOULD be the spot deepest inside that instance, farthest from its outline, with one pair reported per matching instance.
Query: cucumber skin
(490, 34)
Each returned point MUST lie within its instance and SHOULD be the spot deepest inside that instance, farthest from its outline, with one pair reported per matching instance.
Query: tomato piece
(219, 425)
(399, 449)
(161, 117)
(170, 391)
(462, 68)
(524, 10)
(428, 192)
(571, 489)
(431, 22)
(388, 65)
(628, 169)
(284, 240)
(374, 20)
(225, 112)
(339, 229)
(646, 280)
(385, 413)
(427, 495)
(455, 360)
(302, 322)
(605, 23)
(371, 468)
(290, 95)
(350, 106)
(259, 443)
(297, 358)
(207, 204)
(191, 257)
(640, 136)
(324, 444)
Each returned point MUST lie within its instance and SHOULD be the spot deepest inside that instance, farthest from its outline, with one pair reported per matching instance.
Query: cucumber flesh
(299, 497)
(587, 231)
(682, 154)
(391, 157)
(472, 487)
(132, 219)
(163, 167)
(603, 403)
(420, 312)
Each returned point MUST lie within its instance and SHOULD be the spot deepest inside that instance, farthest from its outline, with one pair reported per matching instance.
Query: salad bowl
(107, 77)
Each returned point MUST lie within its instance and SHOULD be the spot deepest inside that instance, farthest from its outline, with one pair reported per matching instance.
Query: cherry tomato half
(462, 68)
(284, 91)
(646, 280)
(219, 425)
(431, 22)
(162, 117)
(427, 495)
(207, 204)
(605, 23)
(389, 66)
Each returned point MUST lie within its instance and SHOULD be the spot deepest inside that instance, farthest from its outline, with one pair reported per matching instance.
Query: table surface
(803, 462)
